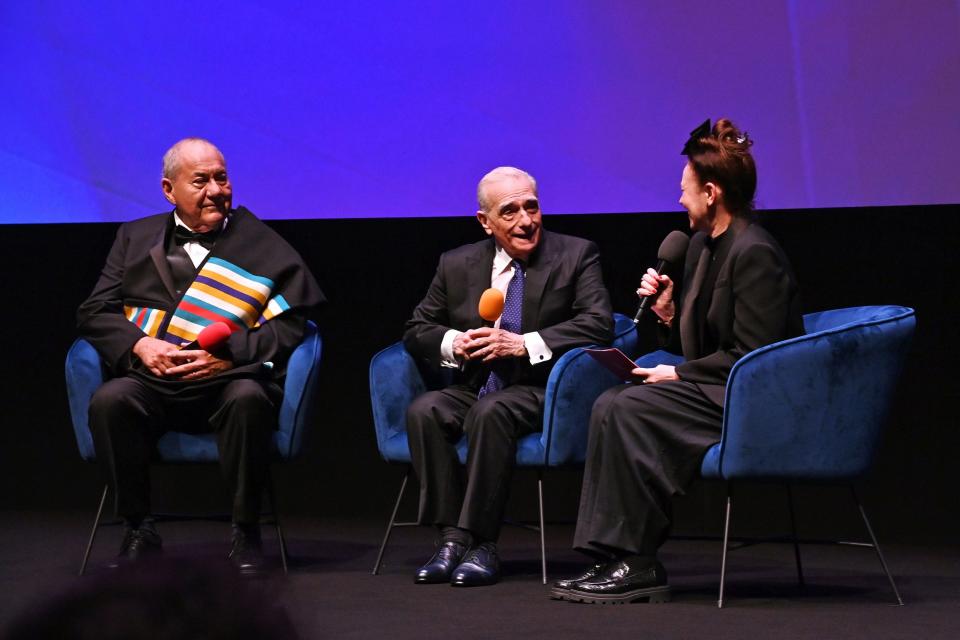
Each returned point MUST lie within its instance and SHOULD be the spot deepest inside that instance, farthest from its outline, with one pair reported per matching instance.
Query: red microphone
(211, 337)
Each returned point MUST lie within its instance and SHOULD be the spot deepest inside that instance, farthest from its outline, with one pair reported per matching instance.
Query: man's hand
(487, 343)
(460, 347)
(155, 354)
(196, 364)
(659, 373)
(661, 288)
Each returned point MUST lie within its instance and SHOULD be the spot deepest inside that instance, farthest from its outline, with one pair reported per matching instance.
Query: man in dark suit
(166, 278)
(554, 300)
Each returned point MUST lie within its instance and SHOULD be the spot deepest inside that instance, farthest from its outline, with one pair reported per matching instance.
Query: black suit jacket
(564, 300)
(137, 274)
(755, 302)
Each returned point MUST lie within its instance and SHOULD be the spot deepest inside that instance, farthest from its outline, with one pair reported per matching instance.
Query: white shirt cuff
(537, 349)
(447, 359)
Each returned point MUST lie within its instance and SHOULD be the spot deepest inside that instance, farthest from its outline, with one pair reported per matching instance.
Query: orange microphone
(491, 304)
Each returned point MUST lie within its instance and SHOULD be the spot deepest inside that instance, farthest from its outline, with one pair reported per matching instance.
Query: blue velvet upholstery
(809, 409)
(574, 383)
(812, 408)
(84, 375)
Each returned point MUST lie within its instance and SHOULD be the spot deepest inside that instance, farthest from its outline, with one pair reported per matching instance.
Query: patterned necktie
(510, 320)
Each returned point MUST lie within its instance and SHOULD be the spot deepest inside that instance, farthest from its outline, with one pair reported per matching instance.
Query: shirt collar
(501, 261)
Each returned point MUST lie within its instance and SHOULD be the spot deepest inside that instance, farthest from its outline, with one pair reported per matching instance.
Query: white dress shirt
(500, 276)
(196, 251)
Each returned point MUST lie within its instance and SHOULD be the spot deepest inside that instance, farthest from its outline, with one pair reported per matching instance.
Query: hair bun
(730, 136)
(721, 154)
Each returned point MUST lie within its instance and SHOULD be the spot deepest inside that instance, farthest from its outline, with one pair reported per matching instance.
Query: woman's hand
(659, 373)
(659, 287)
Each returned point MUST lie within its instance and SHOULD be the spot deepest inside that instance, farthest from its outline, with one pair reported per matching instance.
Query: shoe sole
(431, 580)
(653, 595)
(467, 585)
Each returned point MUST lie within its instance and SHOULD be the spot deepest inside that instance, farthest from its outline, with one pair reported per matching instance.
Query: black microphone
(672, 250)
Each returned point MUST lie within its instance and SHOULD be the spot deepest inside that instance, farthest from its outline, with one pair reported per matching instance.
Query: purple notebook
(614, 360)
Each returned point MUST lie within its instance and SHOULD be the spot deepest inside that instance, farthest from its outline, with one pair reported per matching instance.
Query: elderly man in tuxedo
(554, 300)
(166, 278)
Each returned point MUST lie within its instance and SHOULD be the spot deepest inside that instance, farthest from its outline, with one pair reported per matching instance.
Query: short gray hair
(497, 174)
(171, 159)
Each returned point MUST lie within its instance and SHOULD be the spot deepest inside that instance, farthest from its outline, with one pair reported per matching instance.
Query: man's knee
(490, 413)
(422, 411)
(246, 395)
(246, 406)
(116, 398)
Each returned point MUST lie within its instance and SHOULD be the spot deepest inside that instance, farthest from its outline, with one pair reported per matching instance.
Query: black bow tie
(182, 235)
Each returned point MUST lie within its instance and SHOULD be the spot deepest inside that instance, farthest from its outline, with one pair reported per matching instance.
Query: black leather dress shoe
(591, 572)
(619, 582)
(480, 567)
(139, 544)
(246, 552)
(440, 567)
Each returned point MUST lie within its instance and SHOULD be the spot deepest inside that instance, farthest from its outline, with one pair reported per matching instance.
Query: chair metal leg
(276, 522)
(876, 545)
(543, 542)
(726, 540)
(793, 536)
(390, 525)
(93, 531)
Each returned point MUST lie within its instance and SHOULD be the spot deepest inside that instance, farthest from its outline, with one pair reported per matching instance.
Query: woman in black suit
(647, 438)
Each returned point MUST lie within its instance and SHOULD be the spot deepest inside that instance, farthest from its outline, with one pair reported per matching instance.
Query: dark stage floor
(330, 592)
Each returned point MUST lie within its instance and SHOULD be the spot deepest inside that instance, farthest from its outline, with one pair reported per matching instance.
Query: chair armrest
(395, 381)
(654, 358)
(299, 393)
(625, 335)
(575, 382)
(84, 375)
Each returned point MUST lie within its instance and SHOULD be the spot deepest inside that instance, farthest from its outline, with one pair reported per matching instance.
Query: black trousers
(437, 420)
(646, 444)
(129, 414)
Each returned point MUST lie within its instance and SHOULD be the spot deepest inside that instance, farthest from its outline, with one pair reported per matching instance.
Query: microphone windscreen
(213, 335)
(673, 249)
(491, 304)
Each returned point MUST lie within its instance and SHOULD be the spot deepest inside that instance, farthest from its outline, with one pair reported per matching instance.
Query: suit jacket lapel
(538, 272)
(690, 324)
(478, 280)
(158, 252)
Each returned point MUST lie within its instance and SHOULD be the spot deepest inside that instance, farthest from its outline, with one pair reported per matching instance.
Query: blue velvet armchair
(810, 409)
(575, 381)
(84, 374)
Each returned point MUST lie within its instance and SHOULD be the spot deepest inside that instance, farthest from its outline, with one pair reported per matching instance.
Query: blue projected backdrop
(387, 109)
